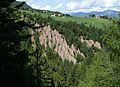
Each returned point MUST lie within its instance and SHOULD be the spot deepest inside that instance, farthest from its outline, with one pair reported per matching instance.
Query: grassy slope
(89, 21)
(97, 22)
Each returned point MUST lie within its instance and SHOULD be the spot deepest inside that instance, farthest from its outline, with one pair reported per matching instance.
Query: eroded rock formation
(90, 42)
(54, 40)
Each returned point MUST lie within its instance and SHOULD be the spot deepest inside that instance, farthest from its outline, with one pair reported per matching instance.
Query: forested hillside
(40, 50)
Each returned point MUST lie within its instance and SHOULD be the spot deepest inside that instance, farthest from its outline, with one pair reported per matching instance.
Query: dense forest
(22, 65)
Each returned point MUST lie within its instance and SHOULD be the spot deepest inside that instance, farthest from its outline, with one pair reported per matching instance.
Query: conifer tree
(13, 60)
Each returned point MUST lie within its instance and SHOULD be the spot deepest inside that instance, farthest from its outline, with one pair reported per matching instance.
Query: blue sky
(74, 5)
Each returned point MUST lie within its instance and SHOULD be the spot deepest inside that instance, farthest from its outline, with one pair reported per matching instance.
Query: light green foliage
(112, 40)
(99, 72)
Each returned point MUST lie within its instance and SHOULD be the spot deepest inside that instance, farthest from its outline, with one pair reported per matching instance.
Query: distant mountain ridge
(110, 13)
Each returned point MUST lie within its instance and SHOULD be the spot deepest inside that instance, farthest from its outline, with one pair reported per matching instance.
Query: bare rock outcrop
(97, 45)
(54, 40)
(90, 42)
(57, 42)
(32, 39)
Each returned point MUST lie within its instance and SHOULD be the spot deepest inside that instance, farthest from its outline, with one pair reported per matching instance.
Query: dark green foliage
(13, 59)
(104, 16)
(79, 58)
(92, 15)
(63, 74)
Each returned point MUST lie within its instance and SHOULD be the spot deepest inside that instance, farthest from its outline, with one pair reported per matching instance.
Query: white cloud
(72, 5)
(21, 0)
(111, 3)
(93, 5)
(58, 6)
(26, 0)
(80, 5)
(75, 5)
(46, 7)
(35, 6)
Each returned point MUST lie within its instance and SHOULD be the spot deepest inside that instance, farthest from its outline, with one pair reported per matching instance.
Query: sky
(74, 5)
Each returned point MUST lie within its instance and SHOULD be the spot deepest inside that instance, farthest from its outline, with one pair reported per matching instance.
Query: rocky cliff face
(56, 41)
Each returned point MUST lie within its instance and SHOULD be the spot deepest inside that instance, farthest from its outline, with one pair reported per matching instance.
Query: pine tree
(13, 60)
(99, 73)
(112, 43)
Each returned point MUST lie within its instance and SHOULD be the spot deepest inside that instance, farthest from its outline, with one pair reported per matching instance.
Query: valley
(43, 48)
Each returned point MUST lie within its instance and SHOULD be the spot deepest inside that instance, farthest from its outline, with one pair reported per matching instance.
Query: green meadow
(96, 22)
